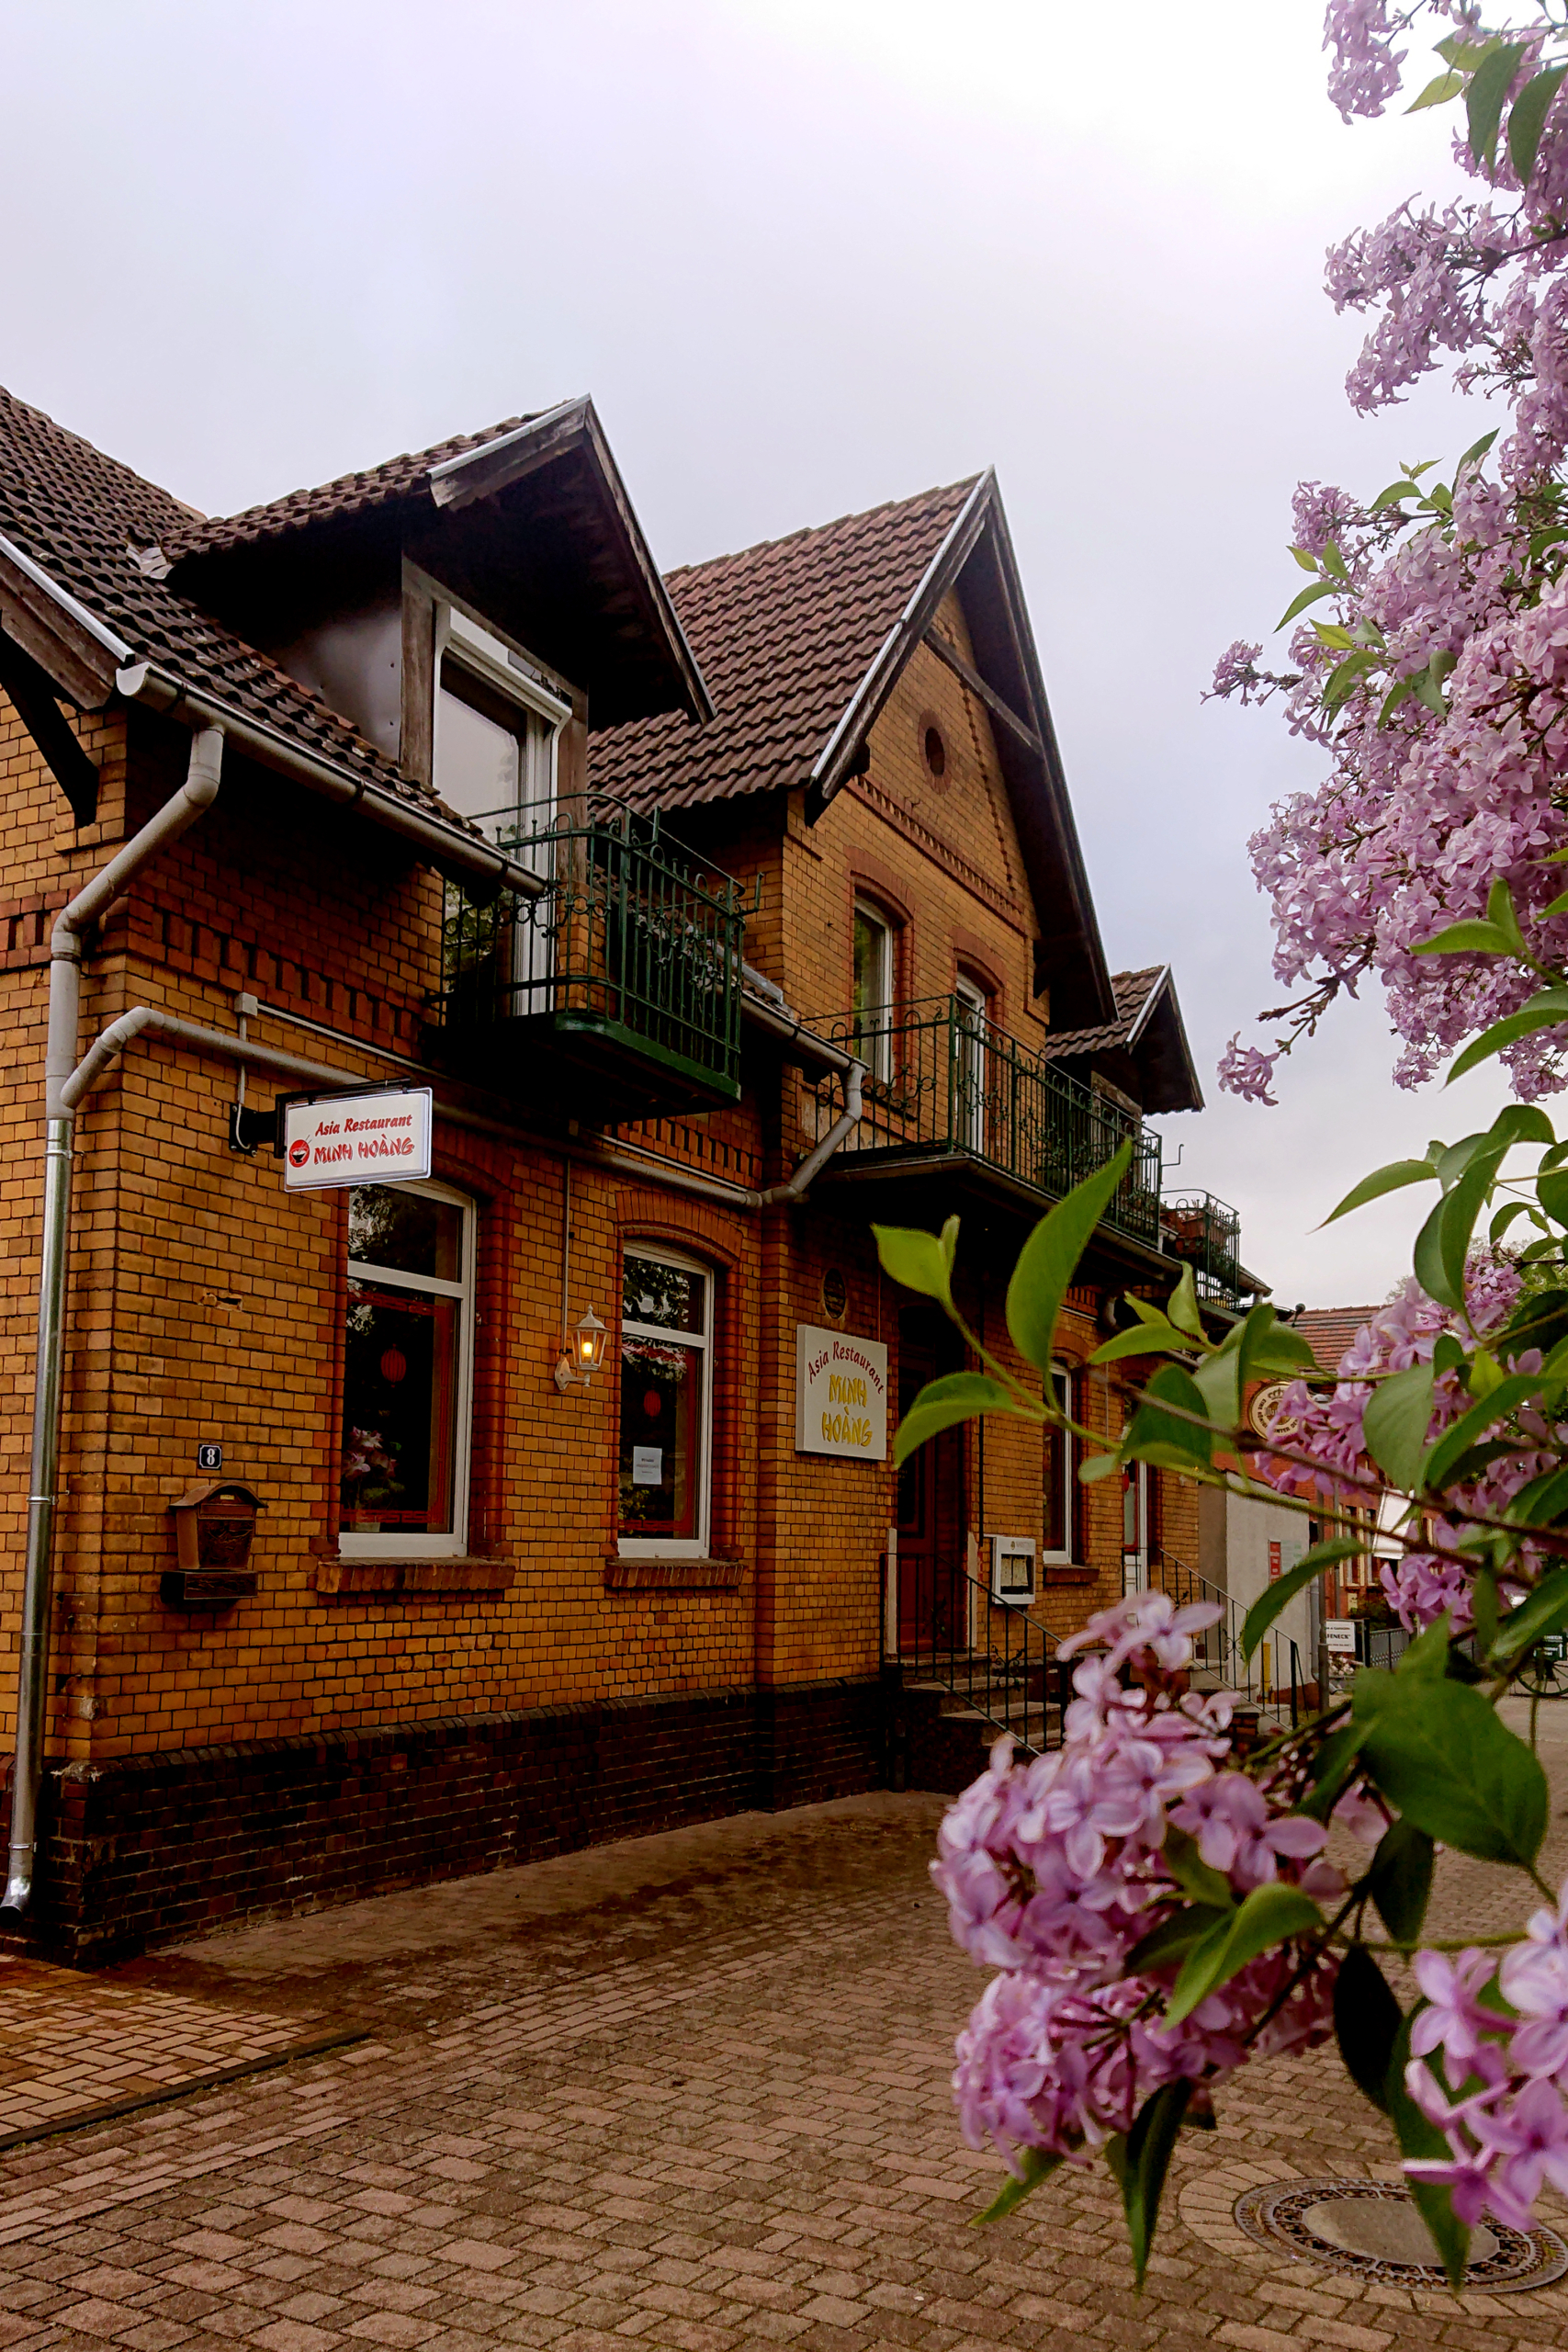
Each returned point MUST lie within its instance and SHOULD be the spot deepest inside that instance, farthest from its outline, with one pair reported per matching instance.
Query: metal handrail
(992, 1656)
(1274, 1667)
(943, 1074)
(631, 934)
(1205, 1232)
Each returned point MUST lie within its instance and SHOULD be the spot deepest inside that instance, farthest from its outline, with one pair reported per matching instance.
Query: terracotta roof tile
(1329, 1330)
(80, 514)
(783, 632)
(1131, 991)
(349, 495)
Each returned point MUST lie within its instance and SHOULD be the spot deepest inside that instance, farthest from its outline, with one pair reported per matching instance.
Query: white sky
(806, 255)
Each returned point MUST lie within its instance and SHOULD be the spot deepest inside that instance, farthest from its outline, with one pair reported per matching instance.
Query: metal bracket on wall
(248, 1129)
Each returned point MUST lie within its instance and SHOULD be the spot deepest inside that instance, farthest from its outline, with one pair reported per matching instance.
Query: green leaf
(1306, 558)
(1442, 1757)
(1182, 1307)
(1394, 492)
(1423, 2141)
(1098, 1467)
(1427, 1258)
(1472, 937)
(1398, 1415)
(1282, 1591)
(1382, 1181)
(1308, 596)
(1546, 1010)
(921, 1261)
(1192, 1874)
(1401, 1882)
(1037, 2167)
(1269, 1916)
(942, 1404)
(1174, 1937)
(1218, 1381)
(1331, 634)
(1526, 120)
(1145, 1339)
(1427, 1657)
(1144, 2163)
(1334, 561)
(1476, 451)
(1437, 92)
(1335, 1761)
(1543, 1503)
(1542, 1611)
(1366, 2023)
(1460, 1209)
(1161, 1438)
(1500, 911)
(1472, 1426)
(1552, 1191)
(1049, 1259)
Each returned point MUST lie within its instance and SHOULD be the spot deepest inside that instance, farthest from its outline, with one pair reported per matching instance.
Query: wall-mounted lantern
(582, 1359)
(214, 1522)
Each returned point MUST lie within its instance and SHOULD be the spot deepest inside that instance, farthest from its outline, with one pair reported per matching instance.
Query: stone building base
(143, 1849)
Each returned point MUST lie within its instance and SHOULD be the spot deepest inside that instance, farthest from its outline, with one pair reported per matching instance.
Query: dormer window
(497, 725)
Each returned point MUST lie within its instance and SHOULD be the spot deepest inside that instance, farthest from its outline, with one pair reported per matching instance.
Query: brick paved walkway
(689, 2091)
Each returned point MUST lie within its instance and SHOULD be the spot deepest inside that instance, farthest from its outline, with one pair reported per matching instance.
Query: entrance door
(932, 1587)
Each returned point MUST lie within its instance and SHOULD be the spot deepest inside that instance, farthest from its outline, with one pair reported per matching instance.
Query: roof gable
(1149, 1029)
(804, 640)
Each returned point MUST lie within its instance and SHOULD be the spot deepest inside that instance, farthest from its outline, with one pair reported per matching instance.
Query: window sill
(672, 1576)
(344, 1579)
(1069, 1575)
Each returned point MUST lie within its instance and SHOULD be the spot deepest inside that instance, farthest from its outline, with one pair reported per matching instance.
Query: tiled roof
(78, 514)
(350, 494)
(783, 632)
(1131, 991)
(1329, 1330)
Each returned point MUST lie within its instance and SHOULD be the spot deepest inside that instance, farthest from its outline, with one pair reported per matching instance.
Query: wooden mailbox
(214, 1522)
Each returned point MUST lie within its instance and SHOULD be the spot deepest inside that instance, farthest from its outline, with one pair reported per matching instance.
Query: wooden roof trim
(976, 684)
(834, 763)
(574, 424)
(79, 653)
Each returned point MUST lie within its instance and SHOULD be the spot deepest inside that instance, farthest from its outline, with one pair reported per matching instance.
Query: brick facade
(343, 1730)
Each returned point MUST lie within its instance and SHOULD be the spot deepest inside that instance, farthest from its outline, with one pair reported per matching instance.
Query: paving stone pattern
(689, 2091)
(70, 2042)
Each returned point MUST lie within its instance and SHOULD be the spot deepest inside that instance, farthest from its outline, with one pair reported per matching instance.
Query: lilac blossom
(1053, 1874)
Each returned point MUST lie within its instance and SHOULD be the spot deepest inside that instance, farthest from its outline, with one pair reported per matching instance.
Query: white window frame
(404, 1544)
(674, 1547)
(1066, 1375)
(490, 661)
(879, 1047)
(975, 1017)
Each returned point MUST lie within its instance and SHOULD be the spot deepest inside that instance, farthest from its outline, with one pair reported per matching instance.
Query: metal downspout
(194, 797)
(793, 1187)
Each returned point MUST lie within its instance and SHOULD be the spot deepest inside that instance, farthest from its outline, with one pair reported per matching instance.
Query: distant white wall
(1250, 1529)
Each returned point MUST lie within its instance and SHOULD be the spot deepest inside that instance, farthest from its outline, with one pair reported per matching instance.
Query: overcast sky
(806, 255)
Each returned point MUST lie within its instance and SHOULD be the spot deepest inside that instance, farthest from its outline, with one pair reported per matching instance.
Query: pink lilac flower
(1053, 1873)
(1365, 72)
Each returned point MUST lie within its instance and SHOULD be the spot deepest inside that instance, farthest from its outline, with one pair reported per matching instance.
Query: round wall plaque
(835, 1296)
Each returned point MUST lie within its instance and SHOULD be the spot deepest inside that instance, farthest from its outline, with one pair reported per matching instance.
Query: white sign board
(840, 1393)
(1339, 1634)
(358, 1139)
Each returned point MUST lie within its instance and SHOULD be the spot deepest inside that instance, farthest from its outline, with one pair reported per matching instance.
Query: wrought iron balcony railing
(632, 947)
(1207, 1232)
(943, 1077)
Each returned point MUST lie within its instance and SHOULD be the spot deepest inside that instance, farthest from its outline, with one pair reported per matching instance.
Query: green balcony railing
(631, 945)
(943, 1077)
(1206, 1232)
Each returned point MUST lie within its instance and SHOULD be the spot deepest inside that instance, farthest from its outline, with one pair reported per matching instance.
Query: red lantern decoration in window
(394, 1365)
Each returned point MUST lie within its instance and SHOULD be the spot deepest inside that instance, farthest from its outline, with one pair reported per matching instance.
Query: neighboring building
(722, 916)
(1354, 1587)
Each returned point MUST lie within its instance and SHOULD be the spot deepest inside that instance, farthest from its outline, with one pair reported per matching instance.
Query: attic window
(496, 727)
(935, 751)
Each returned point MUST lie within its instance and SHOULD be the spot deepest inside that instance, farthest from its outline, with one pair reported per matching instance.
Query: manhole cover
(1371, 2228)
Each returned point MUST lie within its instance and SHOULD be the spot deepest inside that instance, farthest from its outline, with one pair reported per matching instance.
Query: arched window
(664, 1498)
(408, 1372)
(875, 977)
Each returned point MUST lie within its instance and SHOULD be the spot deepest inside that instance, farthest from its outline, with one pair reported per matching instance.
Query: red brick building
(716, 918)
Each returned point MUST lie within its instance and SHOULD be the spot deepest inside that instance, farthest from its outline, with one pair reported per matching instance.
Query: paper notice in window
(648, 1466)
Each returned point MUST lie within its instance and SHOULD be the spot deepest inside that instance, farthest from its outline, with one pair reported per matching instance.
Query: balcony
(1206, 1232)
(947, 1085)
(620, 981)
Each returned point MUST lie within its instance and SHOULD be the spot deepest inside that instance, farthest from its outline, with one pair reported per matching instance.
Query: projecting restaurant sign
(840, 1393)
(358, 1139)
